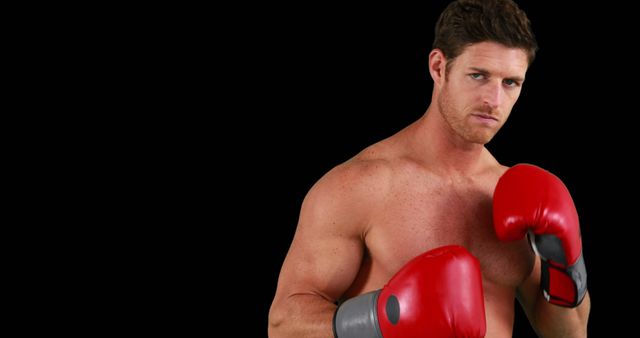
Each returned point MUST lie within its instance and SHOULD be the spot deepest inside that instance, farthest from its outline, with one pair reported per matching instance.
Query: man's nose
(492, 95)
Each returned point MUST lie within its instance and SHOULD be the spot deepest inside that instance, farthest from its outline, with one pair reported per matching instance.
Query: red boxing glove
(530, 199)
(437, 294)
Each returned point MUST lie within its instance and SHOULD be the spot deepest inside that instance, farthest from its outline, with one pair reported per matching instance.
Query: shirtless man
(429, 188)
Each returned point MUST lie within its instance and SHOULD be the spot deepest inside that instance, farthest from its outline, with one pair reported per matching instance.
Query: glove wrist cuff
(564, 287)
(358, 317)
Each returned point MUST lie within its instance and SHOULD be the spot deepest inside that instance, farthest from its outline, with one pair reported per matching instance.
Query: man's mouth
(486, 116)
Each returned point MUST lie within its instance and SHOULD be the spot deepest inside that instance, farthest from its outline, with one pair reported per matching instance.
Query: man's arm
(530, 200)
(549, 320)
(326, 252)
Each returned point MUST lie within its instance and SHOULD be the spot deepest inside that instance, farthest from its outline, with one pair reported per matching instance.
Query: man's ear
(437, 66)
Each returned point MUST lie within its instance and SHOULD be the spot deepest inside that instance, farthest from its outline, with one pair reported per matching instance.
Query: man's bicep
(323, 263)
(327, 249)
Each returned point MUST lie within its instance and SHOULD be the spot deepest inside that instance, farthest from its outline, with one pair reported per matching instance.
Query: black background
(307, 88)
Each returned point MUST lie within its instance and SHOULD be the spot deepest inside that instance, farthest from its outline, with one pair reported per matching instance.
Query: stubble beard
(459, 123)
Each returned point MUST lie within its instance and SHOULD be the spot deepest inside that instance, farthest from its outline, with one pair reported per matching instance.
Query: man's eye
(511, 83)
(476, 76)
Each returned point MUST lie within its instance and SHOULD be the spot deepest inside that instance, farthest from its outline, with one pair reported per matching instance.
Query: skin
(429, 185)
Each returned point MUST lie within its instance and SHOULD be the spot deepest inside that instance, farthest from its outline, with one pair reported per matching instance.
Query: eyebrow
(486, 72)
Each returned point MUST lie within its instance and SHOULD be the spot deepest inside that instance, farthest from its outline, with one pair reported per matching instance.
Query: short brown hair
(465, 22)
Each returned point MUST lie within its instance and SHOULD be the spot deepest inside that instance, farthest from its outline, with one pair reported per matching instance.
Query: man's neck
(433, 142)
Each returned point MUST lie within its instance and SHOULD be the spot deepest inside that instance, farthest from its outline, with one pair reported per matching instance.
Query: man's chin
(481, 139)
(480, 136)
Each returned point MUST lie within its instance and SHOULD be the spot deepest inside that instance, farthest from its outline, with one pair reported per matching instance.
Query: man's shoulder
(351, 189)
(377, 159)
(362, 175)
(361, 170)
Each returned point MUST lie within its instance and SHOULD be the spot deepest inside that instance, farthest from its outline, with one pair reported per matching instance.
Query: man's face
(480, 88)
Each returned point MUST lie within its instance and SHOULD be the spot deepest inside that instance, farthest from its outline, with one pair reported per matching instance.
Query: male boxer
(429, 186)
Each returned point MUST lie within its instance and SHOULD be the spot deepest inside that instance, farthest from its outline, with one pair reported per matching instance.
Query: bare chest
(415, 221)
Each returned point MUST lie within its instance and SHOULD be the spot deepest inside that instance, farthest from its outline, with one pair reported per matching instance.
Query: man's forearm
(552, 321)
(302, 315)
